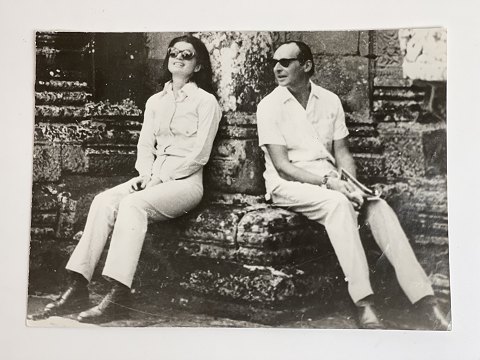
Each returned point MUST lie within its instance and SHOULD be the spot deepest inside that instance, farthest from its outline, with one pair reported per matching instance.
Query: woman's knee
(132, 202)
(103, 199)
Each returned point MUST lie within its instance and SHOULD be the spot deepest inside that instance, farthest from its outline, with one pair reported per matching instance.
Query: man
(301, 129)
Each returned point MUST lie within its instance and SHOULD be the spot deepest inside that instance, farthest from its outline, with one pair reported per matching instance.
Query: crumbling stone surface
(238, 125)
(48, 220)
(64, 111)
(364, 43)
(421, 205)
(370, 167)
(435, 152)
(346, 76)
(409, 150)
(434, 259)
(371, 145)
(42, 232)
(66, 216)
(257, 235)
(263, 285)
(240, 68)
(74, 159)
(46, 162)
(105, 131)
(236, 166)
(112, 161)
(386, 48)
(48, 258)
(70, 97)
(397, 110)
(44, 197)
(62, 85)
(329, 42)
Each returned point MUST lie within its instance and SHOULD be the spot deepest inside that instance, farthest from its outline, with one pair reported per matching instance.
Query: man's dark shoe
(72, 300)
(114, 306)
(368, 317)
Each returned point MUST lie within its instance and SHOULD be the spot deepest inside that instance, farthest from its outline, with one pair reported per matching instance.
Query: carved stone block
(329, 42)
(346, 76)
(236, 166)
(46, 162)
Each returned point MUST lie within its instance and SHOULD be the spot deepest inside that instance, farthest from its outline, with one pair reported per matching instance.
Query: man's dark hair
(304, 54)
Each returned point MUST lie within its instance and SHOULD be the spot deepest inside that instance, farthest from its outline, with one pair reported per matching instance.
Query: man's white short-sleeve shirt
(307, 133)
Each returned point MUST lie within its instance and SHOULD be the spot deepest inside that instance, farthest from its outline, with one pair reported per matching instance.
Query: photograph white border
(18, 22)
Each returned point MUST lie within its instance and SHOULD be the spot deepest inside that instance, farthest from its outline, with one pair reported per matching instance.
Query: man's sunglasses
(283, 62)
(184, 54)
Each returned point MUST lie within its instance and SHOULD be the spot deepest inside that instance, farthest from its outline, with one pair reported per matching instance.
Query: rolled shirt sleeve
(209, 116)
(146, 143)
(340, 128)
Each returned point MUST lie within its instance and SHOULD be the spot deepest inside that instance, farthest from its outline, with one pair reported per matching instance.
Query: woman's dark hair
(203, 77)
(304, 54)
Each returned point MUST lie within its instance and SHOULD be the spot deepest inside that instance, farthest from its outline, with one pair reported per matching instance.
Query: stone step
(55, 113)
(62, 40)
(370, 167)
(61, 98)
(389, 93)
(396, 110)
(89, 132)
(111, 161)
(48, 51)
(363, 131)
(46, 73)
(371, 145)
(428, 239)
(63, 85)
(73, 60)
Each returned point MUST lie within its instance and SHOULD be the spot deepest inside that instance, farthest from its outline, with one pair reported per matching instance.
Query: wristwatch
(324, 182)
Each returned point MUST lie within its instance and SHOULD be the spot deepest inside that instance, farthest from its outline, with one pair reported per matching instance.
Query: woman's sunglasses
(184, 54)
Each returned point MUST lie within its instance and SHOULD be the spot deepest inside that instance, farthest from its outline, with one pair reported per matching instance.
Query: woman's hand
(154, 181)
(346, 189)
(140, 182)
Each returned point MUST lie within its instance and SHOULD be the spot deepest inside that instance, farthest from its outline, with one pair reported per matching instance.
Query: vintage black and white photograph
(246, 179)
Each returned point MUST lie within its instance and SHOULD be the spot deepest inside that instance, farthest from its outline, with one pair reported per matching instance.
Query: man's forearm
(343, 157)
(291, 172)
(347, 163)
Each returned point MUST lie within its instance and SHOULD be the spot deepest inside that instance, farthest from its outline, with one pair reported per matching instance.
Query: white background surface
(18, 21)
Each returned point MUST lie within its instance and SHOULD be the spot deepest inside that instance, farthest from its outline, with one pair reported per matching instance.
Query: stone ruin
(236, 254)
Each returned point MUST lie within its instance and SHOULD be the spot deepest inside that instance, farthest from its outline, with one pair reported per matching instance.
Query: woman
(180, 124)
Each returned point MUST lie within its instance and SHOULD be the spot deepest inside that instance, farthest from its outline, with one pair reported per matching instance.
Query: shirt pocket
(324, 130)
(184, 122)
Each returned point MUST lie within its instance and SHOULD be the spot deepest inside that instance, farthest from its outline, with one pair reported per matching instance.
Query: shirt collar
(188, 89)
(315, 90)
(286, 95)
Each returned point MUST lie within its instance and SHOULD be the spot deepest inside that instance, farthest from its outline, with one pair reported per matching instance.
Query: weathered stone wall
(409, 105)
(411, 110)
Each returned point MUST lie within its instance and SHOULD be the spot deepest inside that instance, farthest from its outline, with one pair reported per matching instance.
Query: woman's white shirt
(177, 134)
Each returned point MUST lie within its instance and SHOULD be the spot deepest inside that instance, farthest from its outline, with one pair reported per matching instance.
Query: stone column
(243, 77)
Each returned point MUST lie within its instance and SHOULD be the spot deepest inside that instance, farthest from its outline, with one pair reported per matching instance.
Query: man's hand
(139, 183)
(346, 189)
